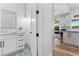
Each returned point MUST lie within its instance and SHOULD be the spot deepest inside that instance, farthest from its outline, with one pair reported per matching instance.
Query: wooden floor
(65, 50)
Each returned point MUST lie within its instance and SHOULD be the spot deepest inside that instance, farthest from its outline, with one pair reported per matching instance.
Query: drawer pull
(21, 45)
(20, 35)
(20, 40)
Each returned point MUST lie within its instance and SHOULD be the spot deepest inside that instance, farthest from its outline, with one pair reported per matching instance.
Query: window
(75, 24)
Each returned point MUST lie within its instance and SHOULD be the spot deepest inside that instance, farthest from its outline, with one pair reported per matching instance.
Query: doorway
(40, 25)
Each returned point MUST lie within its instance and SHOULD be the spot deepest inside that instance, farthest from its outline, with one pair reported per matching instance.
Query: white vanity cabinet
(20, 41)
(9, 44)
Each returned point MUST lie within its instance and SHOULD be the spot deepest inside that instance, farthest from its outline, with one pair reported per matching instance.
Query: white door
(9, 45)
(33, 28)
(45, 29)
(41, 23)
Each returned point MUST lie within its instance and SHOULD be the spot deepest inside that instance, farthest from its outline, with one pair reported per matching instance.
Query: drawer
(19, 34)
(20, 46)
(20, 41)
(18, 37)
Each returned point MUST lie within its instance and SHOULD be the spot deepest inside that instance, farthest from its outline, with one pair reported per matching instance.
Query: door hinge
(37, 11)
(37, 34)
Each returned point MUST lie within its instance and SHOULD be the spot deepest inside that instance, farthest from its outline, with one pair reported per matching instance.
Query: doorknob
(37, 11)
(37, 34)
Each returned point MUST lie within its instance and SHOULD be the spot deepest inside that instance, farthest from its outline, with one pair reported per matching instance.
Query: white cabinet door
(75, 39)
(71, 38)
(9, 45)
(66, 37)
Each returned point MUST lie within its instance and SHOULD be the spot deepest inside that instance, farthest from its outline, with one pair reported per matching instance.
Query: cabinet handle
(68, 34)
(20, 35)
(21, 45)
(3, 43)
(0, 44)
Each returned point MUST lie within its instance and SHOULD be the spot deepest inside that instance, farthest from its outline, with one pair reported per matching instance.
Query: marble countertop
(11, 33)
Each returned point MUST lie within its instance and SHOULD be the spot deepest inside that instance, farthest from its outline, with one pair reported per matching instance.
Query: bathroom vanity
(10, 40)
(11, 43)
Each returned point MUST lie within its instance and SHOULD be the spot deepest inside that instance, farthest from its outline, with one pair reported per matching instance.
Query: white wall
(28, 24)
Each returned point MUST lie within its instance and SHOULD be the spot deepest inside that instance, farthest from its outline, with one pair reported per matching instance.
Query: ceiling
(73, 6)
(62, 8)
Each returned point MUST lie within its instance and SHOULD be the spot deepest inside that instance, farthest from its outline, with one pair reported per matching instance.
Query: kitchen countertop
(76, 31)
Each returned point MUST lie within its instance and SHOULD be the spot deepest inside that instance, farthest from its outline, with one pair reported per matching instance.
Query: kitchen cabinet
(66, 37)
(71, 38)
(75, 38)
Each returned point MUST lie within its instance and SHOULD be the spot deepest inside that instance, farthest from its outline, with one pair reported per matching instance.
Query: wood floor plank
(65, 50)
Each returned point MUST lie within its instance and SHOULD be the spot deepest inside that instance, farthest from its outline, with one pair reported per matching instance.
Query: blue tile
(25, 52)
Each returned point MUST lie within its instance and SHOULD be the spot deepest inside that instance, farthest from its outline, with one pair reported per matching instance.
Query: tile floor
(25, 52)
